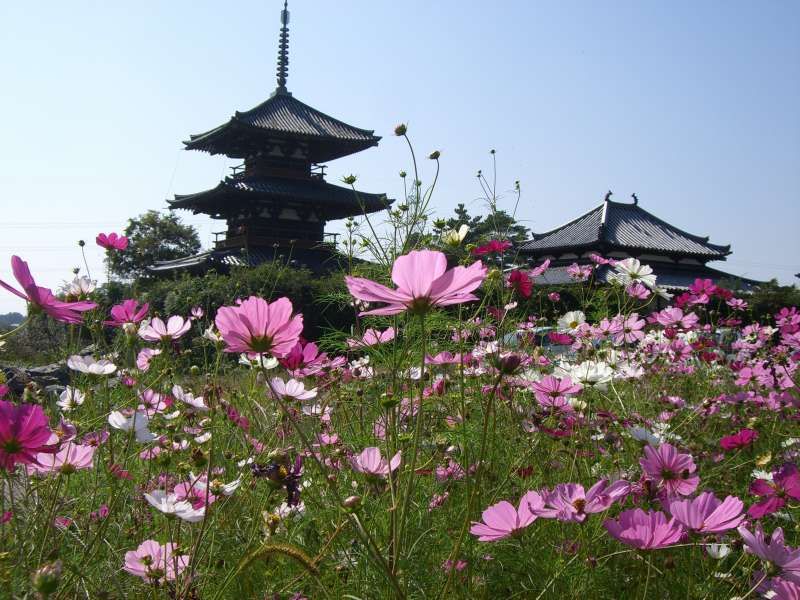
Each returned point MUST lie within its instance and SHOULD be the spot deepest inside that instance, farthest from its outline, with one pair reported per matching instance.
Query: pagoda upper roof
(335, 201)
(625, 226)
(283, 116)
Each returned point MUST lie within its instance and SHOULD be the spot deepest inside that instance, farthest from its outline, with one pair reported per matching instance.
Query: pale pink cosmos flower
(112, 241)
(502, 519)
(291, 390)
(194, 404)
(570, 502)
(372, 337)
(258, 327)
(423, 282)
(71, 458)
(549, 389)
(775, 551)
(707, 514)
(144, 357)
(89, 366)
(627, 330)
(154, 562)
(370, 462)
(42, 298)
(670, 470)
(156, 331)
(645, 530)
(638, 291)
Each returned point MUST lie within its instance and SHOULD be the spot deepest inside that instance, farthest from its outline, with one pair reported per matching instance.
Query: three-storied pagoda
(620, 230)
(276, 203)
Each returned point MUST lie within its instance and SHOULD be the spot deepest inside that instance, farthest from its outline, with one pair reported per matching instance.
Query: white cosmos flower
(292, 389)
(592, 373)
(195, 404)
(284, 511)
(169, 504)
(454, 237)
(90, 366)
(643, 435)
(217, 487)
(571, 321)
(718, 551)
(212, 335)
(138, 422)
(631, 270)
(80, 287)
(267, 362)
(70, 398)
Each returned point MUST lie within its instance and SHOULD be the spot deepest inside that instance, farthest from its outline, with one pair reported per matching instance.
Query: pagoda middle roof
(627, 226)
(283, 116)
(336, 201)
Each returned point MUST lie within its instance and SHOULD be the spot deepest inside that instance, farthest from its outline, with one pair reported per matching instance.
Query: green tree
(152, 236)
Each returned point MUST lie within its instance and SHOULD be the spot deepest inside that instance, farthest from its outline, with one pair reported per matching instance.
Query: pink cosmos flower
(579, 272)
(638, 291)
(129, 312)
(549, 388)
(493, 246)
(539, 269)
(502, 519)
(554, 296)
(144, 357)
(71, 458)
(112, 241)
(423, 282)
(570, 502)
(670, 470)
(673, 317)
(628, 330)
(175, 327)
(775, 551)
(785, 484)
(153, 561)
(43, 298)
(24, 433)
(258, 327)
(444, 358)
(197, 312)
(740, 439)
(372, 337)
(370, 462)
(707, 514)
(645, 530)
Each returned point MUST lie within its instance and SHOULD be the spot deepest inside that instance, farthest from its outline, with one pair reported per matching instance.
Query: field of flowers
(470, 438)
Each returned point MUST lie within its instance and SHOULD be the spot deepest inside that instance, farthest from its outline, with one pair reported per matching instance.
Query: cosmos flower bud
(400, 129)
(349, 179)
(434, 155)
(403, 174)
(509, 364)
(45, 579)
(352, 502)
(81, 243)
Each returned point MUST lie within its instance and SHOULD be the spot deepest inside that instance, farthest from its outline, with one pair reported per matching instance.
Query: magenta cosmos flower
(153, 561)
(156, 331)
(492, 246)
(740, 439)
(112, 241)
(570, 502)
(785, 484)
(43, 298)
(24, 433)
(502, 519)
(707, 514)
(370, 462)
(258, 327)
(645, 530)
(423, 282)
(670, 470)
(128, 312)
(775, 551)
(549, 389)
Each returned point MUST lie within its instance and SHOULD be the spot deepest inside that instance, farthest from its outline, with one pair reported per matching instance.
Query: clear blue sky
(695, 106)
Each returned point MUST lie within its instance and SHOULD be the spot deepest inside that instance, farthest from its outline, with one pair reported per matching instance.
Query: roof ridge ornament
(608, 196)
(283, 51)
(635, 199)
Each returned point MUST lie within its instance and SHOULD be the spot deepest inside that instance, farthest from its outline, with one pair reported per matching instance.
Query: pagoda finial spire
(283, 49)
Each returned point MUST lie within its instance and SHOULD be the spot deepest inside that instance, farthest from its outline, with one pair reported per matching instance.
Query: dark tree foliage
(152, 236)
(497, 225)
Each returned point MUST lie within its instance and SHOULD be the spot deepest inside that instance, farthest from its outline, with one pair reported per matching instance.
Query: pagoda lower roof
(335, 202)
(624, 226)
(283, 116)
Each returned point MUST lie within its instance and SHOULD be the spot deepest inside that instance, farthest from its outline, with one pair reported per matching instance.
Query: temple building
(276, 203)
(621, 230)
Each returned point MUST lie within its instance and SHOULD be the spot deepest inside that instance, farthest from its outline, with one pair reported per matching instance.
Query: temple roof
(625, 226)
(336, 202)
(285, 117)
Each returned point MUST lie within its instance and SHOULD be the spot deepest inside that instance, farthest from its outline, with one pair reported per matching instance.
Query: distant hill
(10, 319)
